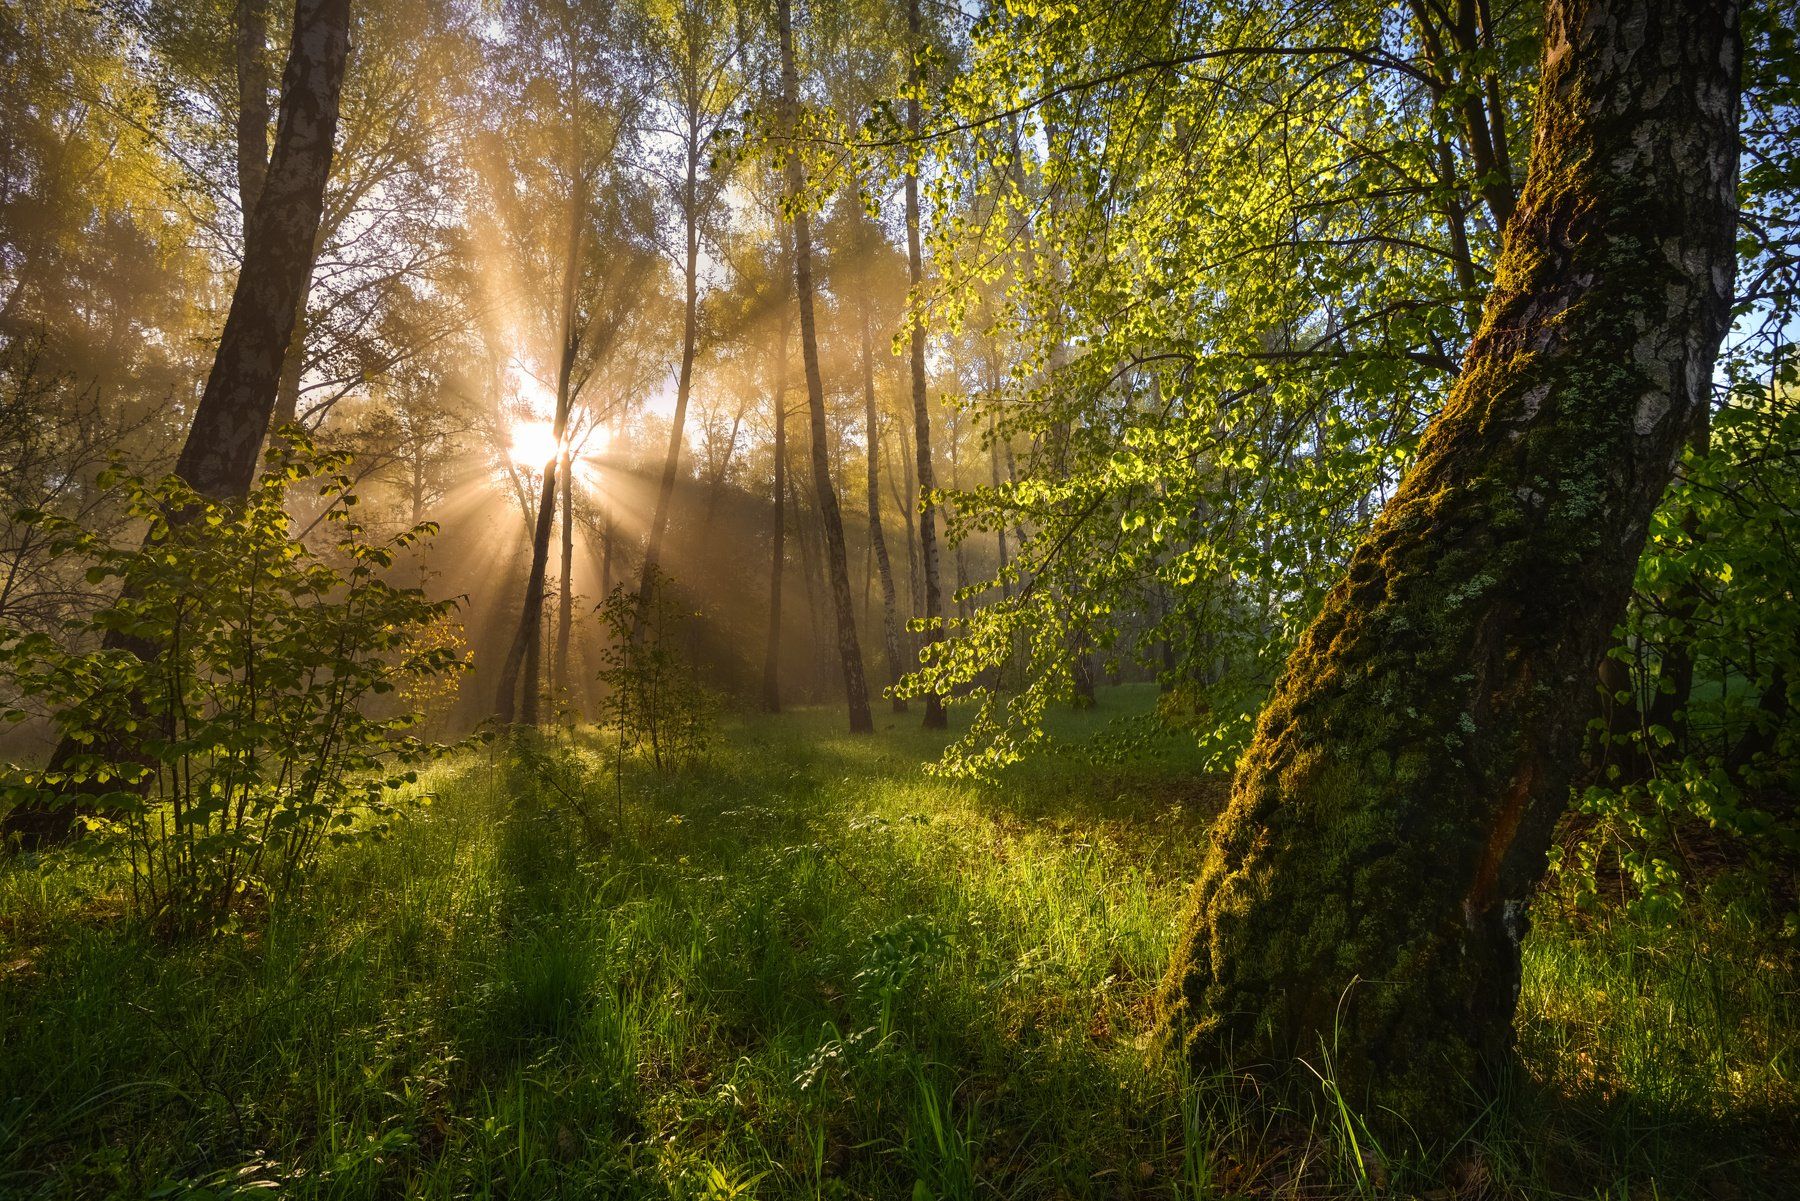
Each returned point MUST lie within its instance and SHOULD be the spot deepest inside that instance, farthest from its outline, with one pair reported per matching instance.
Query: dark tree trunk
(219, 457)
(293, 363)
(517, 693)
(1366, 892)
(856, 689)
(252, 64)
(1000, 555)
(778, 531)
(890, 626)
(565, 584)
(802, 518)
(519, 674)
(915, 262)
(1759, 737)
(659, 522)
(218, 460)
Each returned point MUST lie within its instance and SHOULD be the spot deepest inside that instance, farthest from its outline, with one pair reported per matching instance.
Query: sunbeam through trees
(891, 598)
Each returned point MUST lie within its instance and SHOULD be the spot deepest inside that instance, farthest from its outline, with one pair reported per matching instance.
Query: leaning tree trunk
(877, 539)
(1366, 891)
(856, 689)
(219, 457)
(218, 460)
(293, 363)
(915, 263)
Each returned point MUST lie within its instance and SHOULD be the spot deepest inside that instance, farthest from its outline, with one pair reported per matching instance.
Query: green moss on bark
(1366, 892)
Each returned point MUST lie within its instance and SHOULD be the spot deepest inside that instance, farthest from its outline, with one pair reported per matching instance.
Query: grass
(805, 970)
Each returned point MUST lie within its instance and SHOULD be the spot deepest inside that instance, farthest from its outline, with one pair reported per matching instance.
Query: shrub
(654, 699)
(226, 702)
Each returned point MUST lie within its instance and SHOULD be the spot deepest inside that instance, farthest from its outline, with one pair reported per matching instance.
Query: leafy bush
(1699, 753)
(654, 699)
(226, 702)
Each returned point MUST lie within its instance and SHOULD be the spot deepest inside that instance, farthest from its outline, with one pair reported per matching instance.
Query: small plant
(941, 1151)
(894, 960)
(228, 702)
(725, 1183)
(654, 699)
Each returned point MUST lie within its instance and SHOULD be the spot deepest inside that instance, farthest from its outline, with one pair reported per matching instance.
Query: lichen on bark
(1366, 891)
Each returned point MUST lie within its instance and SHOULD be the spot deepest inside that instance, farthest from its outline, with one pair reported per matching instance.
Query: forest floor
(805, 969)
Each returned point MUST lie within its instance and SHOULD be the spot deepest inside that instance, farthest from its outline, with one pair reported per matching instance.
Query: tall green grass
(805, 970)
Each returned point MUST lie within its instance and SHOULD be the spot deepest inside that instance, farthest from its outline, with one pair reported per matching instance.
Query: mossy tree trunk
(1366, 891)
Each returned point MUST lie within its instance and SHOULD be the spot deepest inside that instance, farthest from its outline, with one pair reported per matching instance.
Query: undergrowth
(802, 969)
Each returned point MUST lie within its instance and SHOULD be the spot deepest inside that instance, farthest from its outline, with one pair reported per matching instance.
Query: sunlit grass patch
(800, 969)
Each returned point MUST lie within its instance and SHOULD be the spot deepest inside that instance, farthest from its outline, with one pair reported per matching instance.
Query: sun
(532, 442)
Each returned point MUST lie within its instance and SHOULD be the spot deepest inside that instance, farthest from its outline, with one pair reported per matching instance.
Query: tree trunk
(856, 689)
(659, 523)
(293, 363)
(778, 530)
(809, 535)
(906, 501)
(915, 263)
(959, 556)
(890, 626)
(519, 674)
(252, 18)
(1000, 554)
(218, 460)
(1367, 887)
(565, 585)
(219, 457)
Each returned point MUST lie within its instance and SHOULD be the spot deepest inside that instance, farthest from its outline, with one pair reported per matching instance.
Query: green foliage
(228, 700)
(654, 699)
(1222, 332)
(1219, 717)
(1699, 780)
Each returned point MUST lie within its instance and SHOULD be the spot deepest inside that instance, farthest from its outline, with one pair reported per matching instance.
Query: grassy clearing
(803, 970)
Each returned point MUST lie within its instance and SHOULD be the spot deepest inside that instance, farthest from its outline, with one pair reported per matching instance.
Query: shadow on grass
(1606, 1140)
(799, 964)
